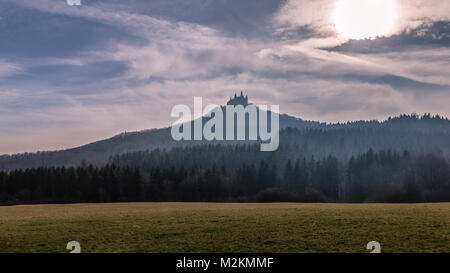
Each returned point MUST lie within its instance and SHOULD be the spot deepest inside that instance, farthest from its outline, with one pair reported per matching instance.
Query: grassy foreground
(211, 227)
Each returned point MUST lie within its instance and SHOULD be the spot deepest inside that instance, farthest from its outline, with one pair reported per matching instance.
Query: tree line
(382, 176)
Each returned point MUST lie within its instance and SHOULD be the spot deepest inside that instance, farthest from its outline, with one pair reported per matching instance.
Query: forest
(235, 174)
(403, 159)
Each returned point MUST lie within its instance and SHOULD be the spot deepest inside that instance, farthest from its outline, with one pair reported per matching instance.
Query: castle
(241, 100)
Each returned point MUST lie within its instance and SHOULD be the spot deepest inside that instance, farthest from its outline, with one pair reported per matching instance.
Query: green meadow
(214, 227)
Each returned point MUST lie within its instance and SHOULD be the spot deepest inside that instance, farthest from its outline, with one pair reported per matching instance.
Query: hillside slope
(421, 134)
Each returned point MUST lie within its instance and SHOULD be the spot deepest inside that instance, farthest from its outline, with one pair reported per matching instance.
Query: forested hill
(417, 135)
(407, 134)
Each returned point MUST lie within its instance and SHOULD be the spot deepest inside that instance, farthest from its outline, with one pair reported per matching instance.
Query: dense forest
(238, 175)
(403, 159)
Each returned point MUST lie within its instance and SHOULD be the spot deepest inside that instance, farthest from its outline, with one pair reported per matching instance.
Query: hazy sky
(70, 75)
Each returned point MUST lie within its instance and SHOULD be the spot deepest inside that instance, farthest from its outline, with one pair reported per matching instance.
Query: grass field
(211, 227)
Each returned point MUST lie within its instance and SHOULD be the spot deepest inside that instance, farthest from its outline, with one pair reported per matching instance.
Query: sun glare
(365, 19)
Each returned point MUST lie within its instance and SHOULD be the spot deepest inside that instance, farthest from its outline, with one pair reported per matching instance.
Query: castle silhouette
(241, 100)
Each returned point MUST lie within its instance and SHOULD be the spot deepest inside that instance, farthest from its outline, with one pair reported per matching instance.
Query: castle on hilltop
(241, 100)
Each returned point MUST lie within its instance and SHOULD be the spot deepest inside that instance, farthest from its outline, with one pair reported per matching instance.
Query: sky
(70, 75)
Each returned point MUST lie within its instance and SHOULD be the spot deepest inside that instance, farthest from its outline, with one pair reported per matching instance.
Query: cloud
(416, 12)
(298, 13)
(317, 14)
(432, 35)
(8, 68)
(162, 57)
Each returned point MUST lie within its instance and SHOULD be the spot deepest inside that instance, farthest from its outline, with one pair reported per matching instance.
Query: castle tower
(241, 100)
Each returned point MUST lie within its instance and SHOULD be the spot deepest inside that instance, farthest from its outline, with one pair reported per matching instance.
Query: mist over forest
(402, 159)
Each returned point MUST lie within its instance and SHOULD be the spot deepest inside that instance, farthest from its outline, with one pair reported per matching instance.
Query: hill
(420, 135)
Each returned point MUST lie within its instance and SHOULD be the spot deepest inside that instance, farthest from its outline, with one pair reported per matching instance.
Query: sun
(365, 19)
